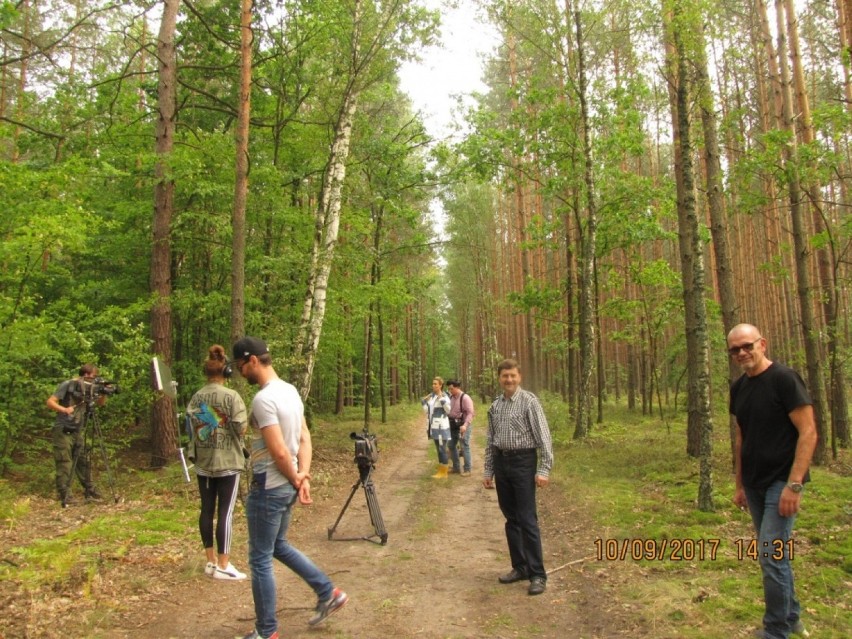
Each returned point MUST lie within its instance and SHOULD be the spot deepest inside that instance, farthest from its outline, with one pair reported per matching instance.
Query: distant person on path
(775, 439)
(461, 427)
(69, 402)
(281, 464)
(217, 416)
(518, 459)
(436, 405)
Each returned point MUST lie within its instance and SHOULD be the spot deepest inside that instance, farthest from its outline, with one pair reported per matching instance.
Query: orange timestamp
(775, 549)
(639, 549)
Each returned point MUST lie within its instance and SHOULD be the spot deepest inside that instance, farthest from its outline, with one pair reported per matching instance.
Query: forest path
(435, 577)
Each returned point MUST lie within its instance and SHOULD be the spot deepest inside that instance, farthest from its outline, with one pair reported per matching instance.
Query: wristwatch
(795, 486)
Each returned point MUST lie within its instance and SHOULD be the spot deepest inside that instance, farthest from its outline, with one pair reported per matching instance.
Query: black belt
(512, 452)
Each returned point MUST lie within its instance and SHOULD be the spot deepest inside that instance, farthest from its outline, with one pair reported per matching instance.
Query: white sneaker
(209, 569)
(229, 573)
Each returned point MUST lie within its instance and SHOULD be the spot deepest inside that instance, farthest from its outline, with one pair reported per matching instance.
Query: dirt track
(435, 577)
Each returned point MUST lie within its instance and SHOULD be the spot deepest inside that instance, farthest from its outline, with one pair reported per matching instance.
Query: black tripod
(84, 444)
(365, 479)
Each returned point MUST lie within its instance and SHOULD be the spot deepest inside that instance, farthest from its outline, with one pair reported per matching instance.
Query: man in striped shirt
(518, 459)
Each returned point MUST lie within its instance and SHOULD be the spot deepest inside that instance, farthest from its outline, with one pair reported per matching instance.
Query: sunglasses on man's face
(748, 348)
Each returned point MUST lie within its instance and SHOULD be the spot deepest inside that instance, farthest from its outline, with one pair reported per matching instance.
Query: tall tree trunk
(163, 424)
(26, 40)
(829, 294)
(692, 257)
(588, 234)
(716, 205)
(693, 428)
(800, 240)
(238, 242)
(327, 221)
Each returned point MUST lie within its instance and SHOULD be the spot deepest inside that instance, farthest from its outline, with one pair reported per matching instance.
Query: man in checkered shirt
(518, 459)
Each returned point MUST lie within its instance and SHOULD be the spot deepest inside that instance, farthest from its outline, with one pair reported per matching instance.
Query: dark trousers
(66, 446)
(514, 479)
(223, 490)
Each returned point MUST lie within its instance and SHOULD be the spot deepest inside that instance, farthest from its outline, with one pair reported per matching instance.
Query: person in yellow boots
(436, 405)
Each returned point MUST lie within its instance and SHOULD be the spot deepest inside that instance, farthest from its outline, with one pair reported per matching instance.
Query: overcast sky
(451, 69)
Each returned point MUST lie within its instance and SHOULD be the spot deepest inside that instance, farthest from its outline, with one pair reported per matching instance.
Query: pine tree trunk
(238, 257)
(163, 423)
(800, 242)
(716, 205)
(588, 237)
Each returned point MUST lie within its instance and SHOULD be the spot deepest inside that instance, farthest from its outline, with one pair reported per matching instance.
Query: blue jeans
(773, 530)
(268, 513)
(514, 479)
(441, 447)
(464, 440)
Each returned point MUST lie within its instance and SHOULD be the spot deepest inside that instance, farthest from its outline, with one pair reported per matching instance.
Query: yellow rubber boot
(442, 472)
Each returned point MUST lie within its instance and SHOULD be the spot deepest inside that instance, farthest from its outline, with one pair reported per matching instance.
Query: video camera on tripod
(366, 448)
(87, 391)
(366, 456)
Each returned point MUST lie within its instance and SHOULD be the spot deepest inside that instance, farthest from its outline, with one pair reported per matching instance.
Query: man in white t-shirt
(281, 463)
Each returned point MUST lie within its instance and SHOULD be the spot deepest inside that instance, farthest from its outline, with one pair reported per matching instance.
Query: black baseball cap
(248, 346)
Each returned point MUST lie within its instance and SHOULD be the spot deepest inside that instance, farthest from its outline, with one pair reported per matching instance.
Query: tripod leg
(375, 511)
(78, 445)
(343, 510)
(97, 438)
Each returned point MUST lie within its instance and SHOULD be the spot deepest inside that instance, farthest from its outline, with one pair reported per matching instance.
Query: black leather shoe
(537, 586)
(512, 577)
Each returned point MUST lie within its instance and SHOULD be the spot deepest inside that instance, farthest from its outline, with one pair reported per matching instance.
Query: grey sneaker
(254, 634)
(324, 609)
(799, 629)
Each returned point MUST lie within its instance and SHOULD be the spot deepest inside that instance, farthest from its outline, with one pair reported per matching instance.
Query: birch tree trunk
(163, 425)
(327, 220)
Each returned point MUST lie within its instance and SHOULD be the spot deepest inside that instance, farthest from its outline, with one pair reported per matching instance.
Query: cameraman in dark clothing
(69, 402)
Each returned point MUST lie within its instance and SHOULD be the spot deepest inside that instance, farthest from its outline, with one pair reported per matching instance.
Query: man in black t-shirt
(775, 440)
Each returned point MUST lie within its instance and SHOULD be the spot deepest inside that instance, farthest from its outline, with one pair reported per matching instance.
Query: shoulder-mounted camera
(98, 387)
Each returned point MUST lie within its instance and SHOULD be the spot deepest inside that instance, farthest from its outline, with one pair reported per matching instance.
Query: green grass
(163, 512)
(633, 475)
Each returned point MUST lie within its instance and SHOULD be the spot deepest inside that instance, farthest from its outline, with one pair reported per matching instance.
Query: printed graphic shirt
(217, 416)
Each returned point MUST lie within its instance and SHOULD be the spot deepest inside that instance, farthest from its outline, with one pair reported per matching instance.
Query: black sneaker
(92, 494)
(324, 609)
